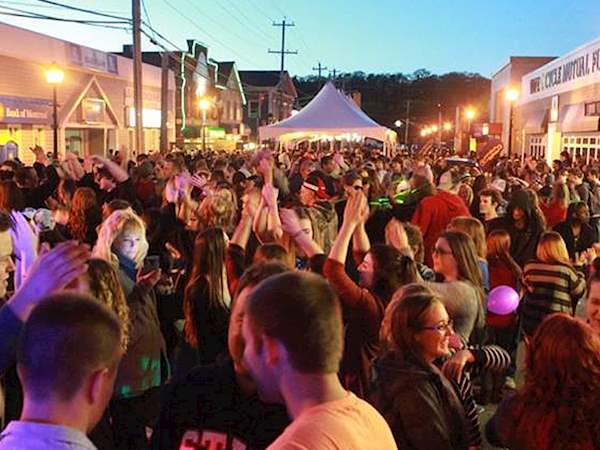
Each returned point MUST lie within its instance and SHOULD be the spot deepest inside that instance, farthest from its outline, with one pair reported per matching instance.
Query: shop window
(253, 108)
(592, 109)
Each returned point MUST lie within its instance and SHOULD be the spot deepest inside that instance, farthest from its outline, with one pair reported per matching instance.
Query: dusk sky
(348, 35)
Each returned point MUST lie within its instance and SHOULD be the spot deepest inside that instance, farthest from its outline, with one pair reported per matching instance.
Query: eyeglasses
(442, 327)
(441, 251)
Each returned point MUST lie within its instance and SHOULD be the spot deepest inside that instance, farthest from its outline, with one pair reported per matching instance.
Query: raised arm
(119, 174)
(291, 225)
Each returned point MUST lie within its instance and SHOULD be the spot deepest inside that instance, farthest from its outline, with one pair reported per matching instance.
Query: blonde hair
(551, 249)
(218, 210)
(113, 226)
(473, 228)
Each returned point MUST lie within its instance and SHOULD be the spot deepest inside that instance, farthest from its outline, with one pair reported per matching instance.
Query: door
(95, 142)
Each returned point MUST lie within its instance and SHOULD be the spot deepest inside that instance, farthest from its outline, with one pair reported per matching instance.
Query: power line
(205, 32)
(87, 11)
(16, 12)
(256, 30)
(229, 14)
(34, 5)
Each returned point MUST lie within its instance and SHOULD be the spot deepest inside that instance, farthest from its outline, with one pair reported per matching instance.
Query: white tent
(329, 115)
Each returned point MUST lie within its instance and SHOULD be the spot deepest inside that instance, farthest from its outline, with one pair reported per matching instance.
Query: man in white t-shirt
(294, 342)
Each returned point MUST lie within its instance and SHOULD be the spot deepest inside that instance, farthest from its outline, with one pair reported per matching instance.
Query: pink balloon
(502, 300)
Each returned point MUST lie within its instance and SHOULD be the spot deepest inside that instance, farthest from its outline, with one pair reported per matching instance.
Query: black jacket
(419, 404)
(587, 237)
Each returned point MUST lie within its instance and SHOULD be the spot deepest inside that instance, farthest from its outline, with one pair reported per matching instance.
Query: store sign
(93, 59)
(578, 69)
(22, 110)
(150, 117)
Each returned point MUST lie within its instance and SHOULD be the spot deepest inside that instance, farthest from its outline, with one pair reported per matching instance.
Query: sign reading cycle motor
(578, 68)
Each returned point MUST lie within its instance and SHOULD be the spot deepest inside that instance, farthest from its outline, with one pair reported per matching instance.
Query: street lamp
(204, 105)
(398, 123)
(512, 95)
(447, 126)
(55, 76)
(470, 115)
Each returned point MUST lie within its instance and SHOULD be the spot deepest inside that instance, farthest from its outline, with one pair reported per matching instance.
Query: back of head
(392, 269)
(67, 337)
(11, 197)
(498, 242)
(552, 249)
(562, 382)
(270, 251)
(300, 310)
(474, 228)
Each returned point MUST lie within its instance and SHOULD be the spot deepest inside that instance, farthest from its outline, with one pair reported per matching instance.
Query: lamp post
(204, 107)
(55, 76)
(470, 115)
(512, 96)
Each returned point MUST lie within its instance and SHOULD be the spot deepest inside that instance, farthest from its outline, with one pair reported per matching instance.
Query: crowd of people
(298, 299)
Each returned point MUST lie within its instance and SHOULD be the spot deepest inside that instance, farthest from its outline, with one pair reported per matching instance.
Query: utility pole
(319, 69)
(334, 74)
(164, 103)
(283, 51)
(137, 76)
(407, 122)
(439, 133)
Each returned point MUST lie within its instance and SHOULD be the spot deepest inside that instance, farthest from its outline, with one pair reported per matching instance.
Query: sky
(377, 36)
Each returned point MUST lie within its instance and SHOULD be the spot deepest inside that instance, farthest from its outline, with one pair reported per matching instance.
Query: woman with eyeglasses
(455, 261)
(422, 383)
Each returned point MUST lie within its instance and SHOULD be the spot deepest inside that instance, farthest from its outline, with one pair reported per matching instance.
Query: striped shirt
(548, 289)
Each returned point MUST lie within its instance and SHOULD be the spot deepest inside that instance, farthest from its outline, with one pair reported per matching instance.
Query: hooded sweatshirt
(523, 242)
(433, 215)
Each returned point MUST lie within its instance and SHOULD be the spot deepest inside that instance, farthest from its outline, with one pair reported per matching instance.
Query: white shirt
(40, 436)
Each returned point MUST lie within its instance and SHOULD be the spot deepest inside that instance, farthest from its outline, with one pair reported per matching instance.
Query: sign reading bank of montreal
(578, 68)
(22, 110)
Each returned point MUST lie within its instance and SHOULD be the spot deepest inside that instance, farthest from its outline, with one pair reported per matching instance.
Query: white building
(95, 100)
(558, 108)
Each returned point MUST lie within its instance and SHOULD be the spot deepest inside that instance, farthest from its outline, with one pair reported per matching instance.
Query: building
(509, 77)
(197, 77)
(270, 95)
(559, 107)
(95, 100)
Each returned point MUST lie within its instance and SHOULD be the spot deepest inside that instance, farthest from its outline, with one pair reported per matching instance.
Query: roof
(260, 78)
(329, 113)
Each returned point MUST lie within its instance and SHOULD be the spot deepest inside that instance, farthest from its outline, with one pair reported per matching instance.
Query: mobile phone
(151, 263)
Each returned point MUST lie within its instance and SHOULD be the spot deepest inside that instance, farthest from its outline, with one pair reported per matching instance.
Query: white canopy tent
(329, 115)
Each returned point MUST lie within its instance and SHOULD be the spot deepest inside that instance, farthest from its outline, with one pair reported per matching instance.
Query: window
(586, 147)
(253, 108)
(592, 109)
(537, 145)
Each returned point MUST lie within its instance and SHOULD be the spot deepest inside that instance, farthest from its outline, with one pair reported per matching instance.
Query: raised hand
(289, 221)
(52, 271)
(25, 243)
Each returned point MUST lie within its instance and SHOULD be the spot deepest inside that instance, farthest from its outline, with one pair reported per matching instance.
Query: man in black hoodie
(524, 224)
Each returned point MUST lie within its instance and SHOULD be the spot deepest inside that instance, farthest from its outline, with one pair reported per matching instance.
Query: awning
(572, 119)
(536, 121)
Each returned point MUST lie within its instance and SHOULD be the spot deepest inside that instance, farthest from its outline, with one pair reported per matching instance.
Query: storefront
(559, 107)
(94, 101)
